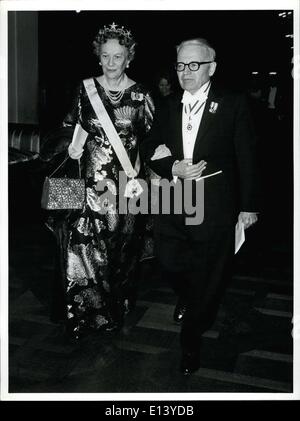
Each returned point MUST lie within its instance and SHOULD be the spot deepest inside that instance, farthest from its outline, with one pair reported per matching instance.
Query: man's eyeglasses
(193, 65)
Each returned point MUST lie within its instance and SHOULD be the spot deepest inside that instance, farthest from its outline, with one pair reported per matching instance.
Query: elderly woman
(100, 250)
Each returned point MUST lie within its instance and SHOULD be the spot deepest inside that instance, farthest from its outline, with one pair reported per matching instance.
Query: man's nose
(186, 70)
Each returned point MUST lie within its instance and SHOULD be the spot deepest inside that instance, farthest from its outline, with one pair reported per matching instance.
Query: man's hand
(186, 170)
(248, 218)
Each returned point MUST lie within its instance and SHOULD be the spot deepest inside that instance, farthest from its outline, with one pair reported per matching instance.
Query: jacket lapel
(209, 114)
(176, 125)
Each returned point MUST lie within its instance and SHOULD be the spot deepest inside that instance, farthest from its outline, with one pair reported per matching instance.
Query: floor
(249, 348)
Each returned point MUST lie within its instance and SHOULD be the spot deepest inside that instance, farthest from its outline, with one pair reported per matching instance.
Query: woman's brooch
(137, 96)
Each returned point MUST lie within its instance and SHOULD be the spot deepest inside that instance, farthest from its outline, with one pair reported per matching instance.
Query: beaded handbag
(63, 193)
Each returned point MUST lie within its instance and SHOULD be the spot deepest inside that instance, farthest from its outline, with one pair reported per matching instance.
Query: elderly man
(204, 137)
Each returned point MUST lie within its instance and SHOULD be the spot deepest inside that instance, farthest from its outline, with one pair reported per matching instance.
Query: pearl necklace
(115, 96)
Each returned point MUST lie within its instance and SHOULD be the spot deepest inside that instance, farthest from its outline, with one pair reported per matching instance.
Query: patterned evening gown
(99, 251)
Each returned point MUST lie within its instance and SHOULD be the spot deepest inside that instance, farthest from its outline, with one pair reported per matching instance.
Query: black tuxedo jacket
(226, 141)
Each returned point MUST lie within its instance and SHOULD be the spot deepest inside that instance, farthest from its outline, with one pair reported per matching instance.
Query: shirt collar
(201, 94)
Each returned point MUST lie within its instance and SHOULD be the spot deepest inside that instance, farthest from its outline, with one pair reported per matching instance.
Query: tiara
(113, 28)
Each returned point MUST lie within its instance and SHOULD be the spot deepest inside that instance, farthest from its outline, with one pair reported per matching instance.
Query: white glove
(162, 151)
(75, 148)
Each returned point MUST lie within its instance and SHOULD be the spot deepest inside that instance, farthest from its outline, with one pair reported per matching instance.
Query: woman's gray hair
(113, 31)
(201, 42)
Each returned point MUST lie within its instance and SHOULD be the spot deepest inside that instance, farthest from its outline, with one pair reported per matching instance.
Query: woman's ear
(131, 53)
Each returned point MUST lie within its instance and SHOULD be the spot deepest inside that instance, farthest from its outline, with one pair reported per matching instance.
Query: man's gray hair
(198, 41)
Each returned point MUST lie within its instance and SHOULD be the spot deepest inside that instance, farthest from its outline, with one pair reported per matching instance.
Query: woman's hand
(162, 151)
(248, 218)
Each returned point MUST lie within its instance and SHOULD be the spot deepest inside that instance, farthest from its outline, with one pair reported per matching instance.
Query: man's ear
(212, 68)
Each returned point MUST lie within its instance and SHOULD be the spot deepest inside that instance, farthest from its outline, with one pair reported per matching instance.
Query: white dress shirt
(192, 118)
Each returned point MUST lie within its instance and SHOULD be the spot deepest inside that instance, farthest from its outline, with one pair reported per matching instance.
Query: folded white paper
(209, 175)
(239, 235)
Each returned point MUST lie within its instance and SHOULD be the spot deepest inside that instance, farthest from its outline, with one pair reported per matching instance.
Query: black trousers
(198, 270)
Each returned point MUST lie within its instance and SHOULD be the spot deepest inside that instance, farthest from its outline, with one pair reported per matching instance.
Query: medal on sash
(133, 188)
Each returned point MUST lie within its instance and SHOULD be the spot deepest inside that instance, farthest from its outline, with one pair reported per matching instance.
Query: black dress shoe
(190, 362)
(179, 312)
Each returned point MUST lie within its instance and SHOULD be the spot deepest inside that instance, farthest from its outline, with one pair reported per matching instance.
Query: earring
(100, 63)
(127, 66)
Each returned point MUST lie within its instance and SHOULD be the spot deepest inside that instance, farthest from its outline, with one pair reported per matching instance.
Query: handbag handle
(67, 157)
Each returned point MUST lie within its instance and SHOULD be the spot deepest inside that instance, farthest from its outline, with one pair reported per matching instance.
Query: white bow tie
(200, 96)
(188, 98)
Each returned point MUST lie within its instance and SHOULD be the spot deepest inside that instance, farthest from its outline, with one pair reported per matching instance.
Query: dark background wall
(245, 41)
(23, 67)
